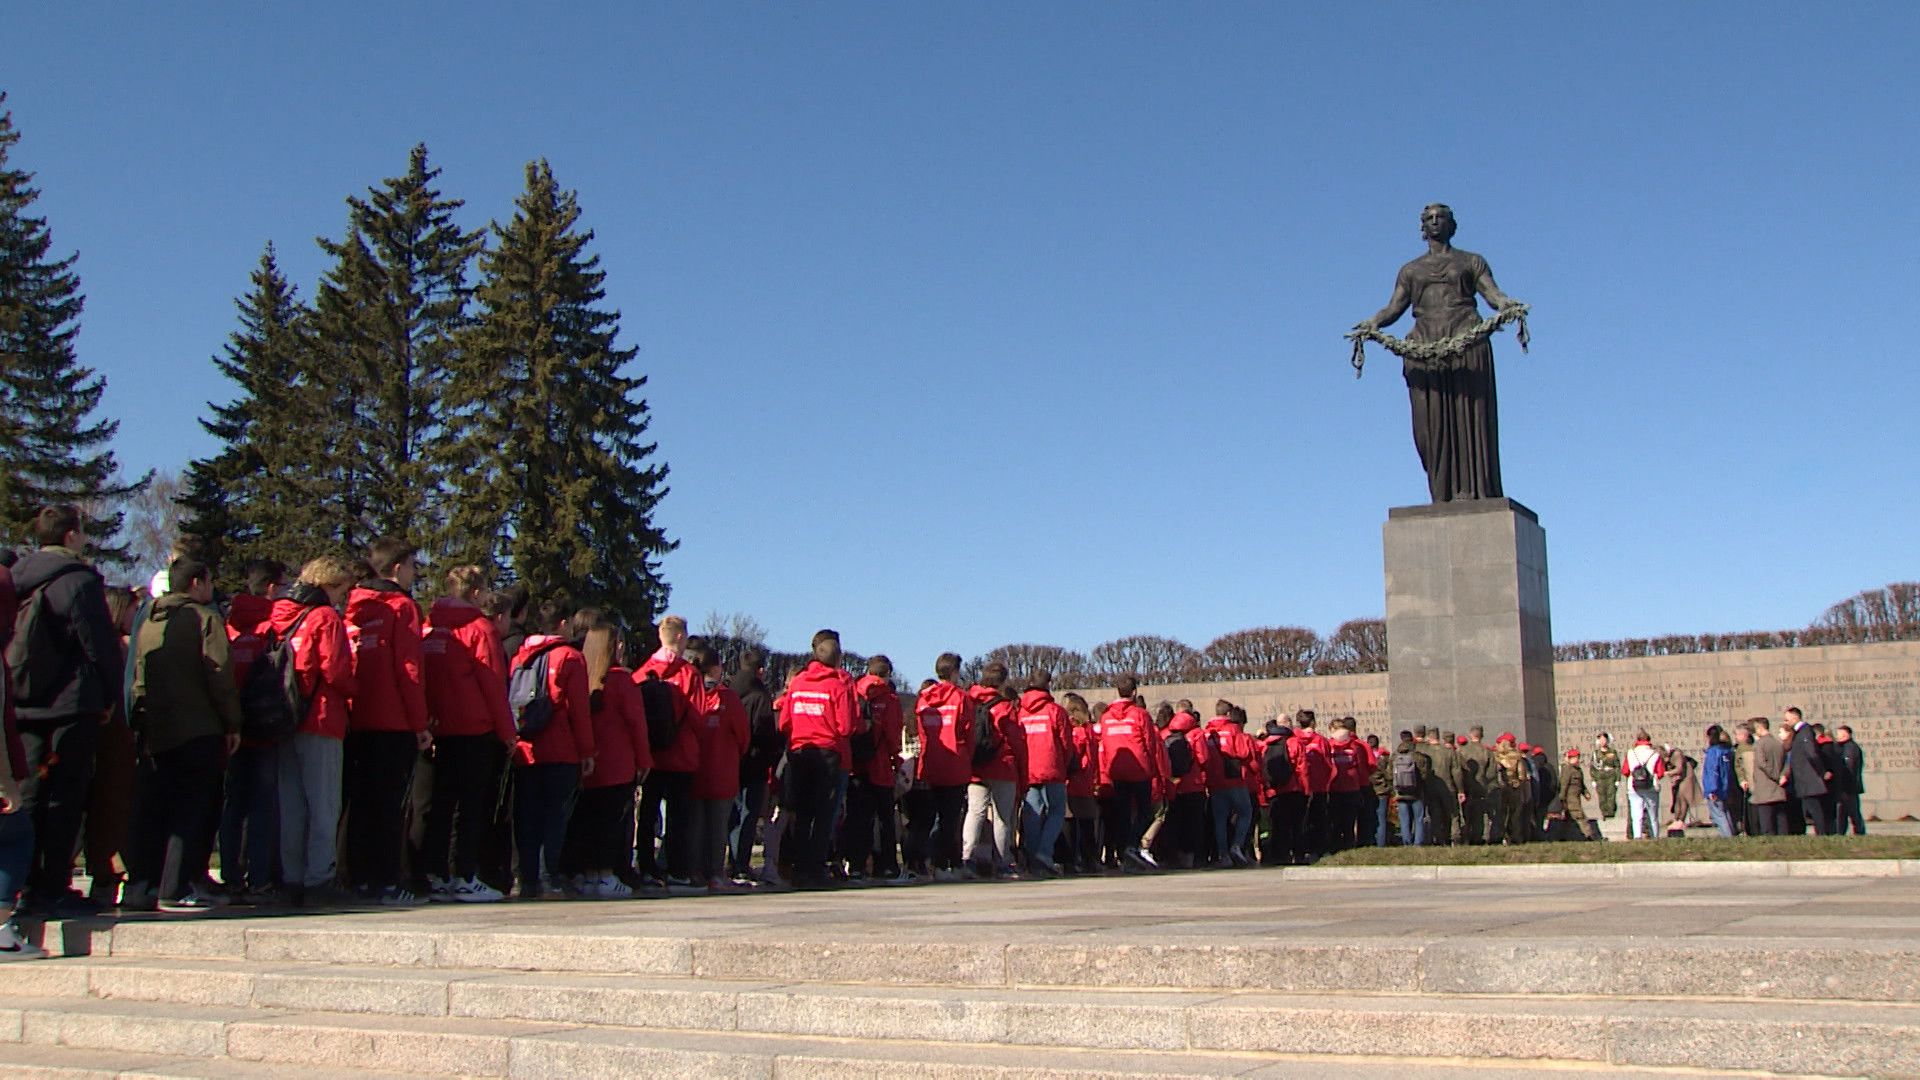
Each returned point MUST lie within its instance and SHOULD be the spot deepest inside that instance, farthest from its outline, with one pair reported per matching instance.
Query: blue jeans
(309, 786)
(1232, 819)
(16, 855)
(1413, 823)
(747, 809)
(250, 820)
(1380, 807)
(1044, 815)
(1721, 819)
(543, 797)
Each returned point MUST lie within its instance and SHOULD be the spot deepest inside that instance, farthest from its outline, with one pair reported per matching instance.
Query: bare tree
(1069, 668)
(738, 625)
(150, 523)
(1359, 645)
(1264, 652)
(1889, 614)
(1153, 659)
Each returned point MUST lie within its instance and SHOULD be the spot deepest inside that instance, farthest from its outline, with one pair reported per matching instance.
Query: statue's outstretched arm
(1483, 284)
(1396, 307)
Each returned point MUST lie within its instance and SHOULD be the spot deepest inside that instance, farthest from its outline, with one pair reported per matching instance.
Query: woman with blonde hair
(308, 619)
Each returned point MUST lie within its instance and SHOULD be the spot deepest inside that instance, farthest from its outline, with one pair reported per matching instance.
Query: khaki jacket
(183, 685)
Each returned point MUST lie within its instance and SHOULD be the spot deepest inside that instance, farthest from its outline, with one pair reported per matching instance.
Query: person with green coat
(1606, 775)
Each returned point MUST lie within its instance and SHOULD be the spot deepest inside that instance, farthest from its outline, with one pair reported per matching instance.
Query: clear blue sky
(969, 324)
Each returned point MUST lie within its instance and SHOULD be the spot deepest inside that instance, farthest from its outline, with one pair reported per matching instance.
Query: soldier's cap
(1525, 749)
(1573, 751)
(1505, 736)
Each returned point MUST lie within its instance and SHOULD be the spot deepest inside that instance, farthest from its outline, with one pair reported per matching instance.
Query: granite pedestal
(1469, 639)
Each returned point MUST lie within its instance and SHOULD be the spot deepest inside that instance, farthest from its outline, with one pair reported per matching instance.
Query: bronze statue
(1448, 359)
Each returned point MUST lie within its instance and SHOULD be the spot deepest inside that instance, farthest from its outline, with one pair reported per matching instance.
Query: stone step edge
(31, 1061)
(1613, 871)
(484, 1046)
(1608, 967)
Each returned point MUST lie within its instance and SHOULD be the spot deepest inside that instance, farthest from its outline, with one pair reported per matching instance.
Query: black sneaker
(72, 905)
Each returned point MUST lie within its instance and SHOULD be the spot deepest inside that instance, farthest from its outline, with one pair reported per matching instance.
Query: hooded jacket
(1010, 763)
(1226, 740)
(90, 667)
(466, 673)
(182, 675)
(247, 616)
(322, 657)
(1312, 768)
(10, 744)
(689, 705)
(765, 742)
(889, 727)
(724, 735)
(620, 747)
(1352, 765)
(818, 710)
(1187, 726)
(1046, 733)
(1126, 737)
(568, 736)
(1084, 771)
(389, 662)
(945, 713)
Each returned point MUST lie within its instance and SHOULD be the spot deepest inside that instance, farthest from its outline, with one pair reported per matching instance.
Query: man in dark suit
(1809, 774)
(1851, 780)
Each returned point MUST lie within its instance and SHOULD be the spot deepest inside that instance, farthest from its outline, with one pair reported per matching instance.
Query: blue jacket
(1716, 772)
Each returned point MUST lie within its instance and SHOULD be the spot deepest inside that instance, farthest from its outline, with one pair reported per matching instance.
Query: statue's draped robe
(1455, 425)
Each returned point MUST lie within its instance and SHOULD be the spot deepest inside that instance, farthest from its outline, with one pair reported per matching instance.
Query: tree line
(1891, 613)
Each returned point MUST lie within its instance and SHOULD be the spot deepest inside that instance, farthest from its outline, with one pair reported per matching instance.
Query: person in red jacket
(867, 835)
(724, 739)
(670, 784)
(387, 721)
(1184, 836)
(309, 621)
(1130, 767)
(997, 780)
(250, 813)
(944, 715)
(1298, 809)
(599, 833)
(1232, 761)
(1047, 732)
(1083, 781)
(1352, 774)
(466, 686)
(550, 762)
(819, 717)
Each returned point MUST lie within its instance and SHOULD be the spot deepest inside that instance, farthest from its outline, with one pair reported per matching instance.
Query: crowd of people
(336, 745)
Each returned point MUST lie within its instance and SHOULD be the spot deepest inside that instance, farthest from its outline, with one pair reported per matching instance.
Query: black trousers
(378, 767)
(1847, 813)
(598, 837)
(916, 845)
(1771, 818)
(177, 795)
(949, 825)
(1818, 814)
(813, 774)
(57, 802)
(868, 833)
(1188, 826)
(1343, 820)
(466, 790)
(1287, 829)
(1132, 811)
(674, 791)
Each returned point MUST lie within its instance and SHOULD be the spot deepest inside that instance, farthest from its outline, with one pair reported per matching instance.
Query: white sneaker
(473, 891)
(15, 947)
(439, 889)
(612, 888)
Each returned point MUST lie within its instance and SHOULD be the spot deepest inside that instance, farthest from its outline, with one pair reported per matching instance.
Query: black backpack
(1179, 754)
(38, 652)
(1277, 764)
(986, 737)
(864, 744)
(663, 723)
(1643, 779)
(1229, 765)
(527, 696)
(272, 702)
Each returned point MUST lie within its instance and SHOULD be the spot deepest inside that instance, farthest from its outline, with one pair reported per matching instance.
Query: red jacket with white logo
(1312, 770)
(889, 727)
(1352, 765)
(1187, 727)
(324, 660)
(247, 615)
(819, 710)
(389, 664)
(1048, 734)
(1226, 740)
(723, 741)
(568, 736)
(689, 705)
(1127, 740)
(1011, 761)
(620, 747)
(466, 673)
(945, 713)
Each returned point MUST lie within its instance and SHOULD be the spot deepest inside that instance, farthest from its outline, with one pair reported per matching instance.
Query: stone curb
(1621, 871)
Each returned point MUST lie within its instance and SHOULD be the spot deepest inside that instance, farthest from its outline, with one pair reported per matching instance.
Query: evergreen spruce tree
(51, 450)
(549, 471)
(386, 322)
(246, 501)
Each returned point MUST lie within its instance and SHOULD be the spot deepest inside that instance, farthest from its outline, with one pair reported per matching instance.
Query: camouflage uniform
(1606, 780)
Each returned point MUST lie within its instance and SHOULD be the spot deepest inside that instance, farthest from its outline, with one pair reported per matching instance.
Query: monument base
(1469, 639)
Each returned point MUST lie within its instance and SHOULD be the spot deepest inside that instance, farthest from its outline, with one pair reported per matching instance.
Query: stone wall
(1875, 689)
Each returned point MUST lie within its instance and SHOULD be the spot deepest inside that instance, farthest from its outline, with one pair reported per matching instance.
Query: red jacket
(1352, 765)
(568, 736)
(723, 741)
(325, 662)
(619, 732)
(1312, 769)
(389, 664)
(1086, 755)
(1127, 739)
(466, 673)
(1048, 735)
(945, 713)
(819, 710)
(247, 615)
(1226, 740)
(1011, 762)
(689, 705)
(1185, 726)
(889, 727)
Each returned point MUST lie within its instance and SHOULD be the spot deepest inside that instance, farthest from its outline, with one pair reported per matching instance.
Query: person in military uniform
(1481, 811)
(1568, 815)
(1449, 787)
(1515, 782)
(1606, 775)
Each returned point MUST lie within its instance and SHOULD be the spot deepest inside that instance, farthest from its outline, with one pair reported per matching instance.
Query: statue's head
(1436, 223)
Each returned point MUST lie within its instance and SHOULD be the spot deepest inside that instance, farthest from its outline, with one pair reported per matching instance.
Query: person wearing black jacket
(765, 747)
(1849, 778)
(1809, 772)
(65, 677)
